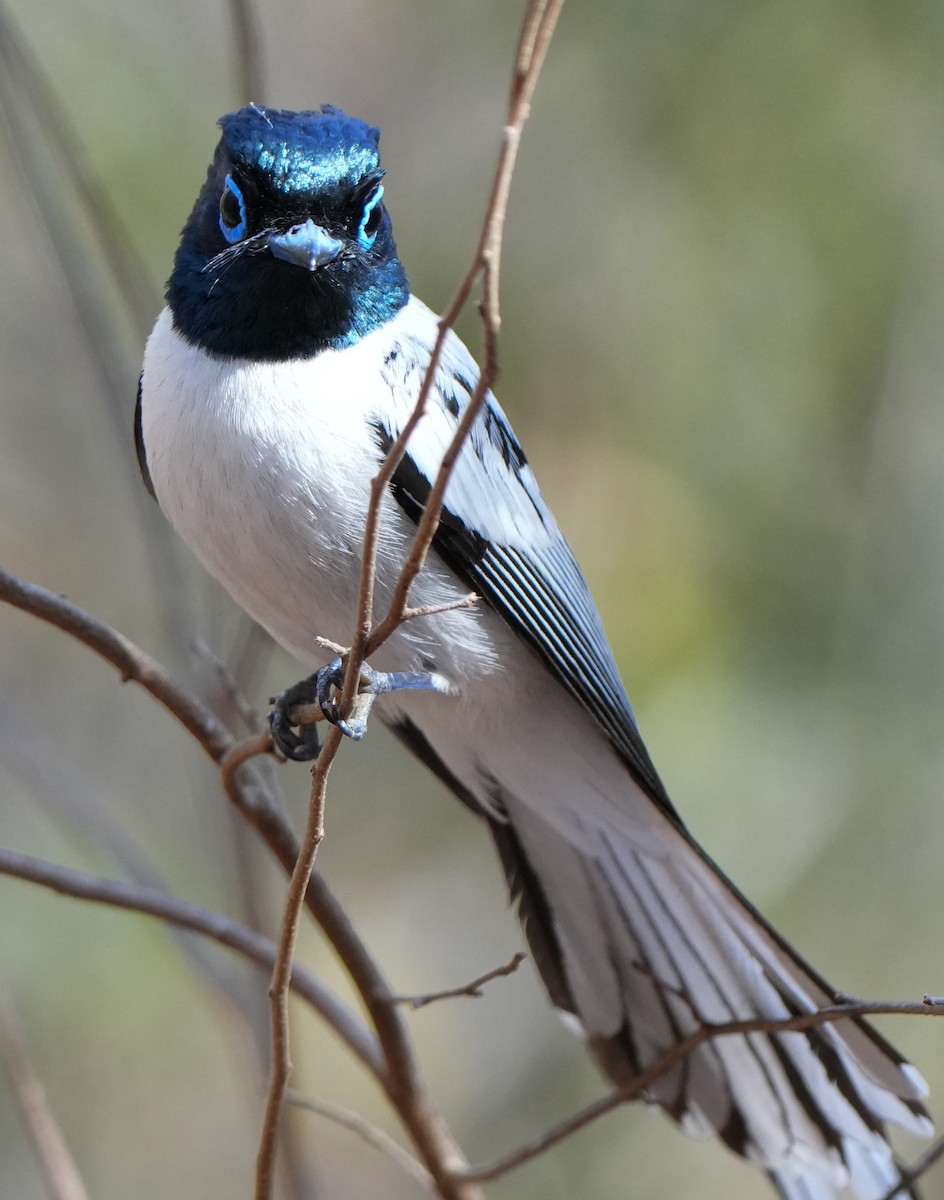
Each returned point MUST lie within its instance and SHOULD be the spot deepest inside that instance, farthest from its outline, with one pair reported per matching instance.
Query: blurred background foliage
(723, 293)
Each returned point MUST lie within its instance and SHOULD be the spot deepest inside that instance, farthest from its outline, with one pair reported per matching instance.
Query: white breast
(265, 471)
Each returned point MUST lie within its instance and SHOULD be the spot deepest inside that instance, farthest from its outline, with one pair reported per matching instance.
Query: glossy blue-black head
(289, 248)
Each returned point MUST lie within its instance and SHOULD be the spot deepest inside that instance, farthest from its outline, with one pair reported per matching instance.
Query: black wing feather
(541, 595)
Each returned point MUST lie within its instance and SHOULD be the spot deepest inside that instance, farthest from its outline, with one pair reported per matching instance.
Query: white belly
(265, 471)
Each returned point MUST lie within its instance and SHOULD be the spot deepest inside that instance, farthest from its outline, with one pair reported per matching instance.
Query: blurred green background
(723, 294)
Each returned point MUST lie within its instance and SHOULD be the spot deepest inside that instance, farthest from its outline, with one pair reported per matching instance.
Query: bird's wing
(498, 535)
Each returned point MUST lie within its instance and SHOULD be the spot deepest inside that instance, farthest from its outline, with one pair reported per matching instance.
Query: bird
(285, 363)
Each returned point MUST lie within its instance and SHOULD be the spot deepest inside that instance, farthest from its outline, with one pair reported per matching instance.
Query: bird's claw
(321, 689)
(304, 745)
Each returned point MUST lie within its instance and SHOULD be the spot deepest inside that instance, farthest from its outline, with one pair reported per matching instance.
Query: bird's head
(289, 248)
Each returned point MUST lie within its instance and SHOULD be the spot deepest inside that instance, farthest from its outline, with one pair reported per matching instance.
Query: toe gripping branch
(321, 691)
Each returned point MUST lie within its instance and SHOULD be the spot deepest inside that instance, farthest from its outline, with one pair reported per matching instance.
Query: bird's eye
(370, 219)
(232, 211)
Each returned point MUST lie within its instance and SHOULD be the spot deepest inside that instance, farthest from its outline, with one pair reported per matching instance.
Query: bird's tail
(642, 938)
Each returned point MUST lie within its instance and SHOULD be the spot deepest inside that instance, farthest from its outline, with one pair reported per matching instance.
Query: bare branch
(432, 610)
(131, 662)
(225, 678)
(539, 23)
(282, 971)
(58, 175)
(705, 1033)
(370, 1133)
(248, 51)
(912, 1174)
(242, 752)
(55, 122)
(41, 760)
(540, 20)
(473, 989)
(222, 929)
(60, 1173)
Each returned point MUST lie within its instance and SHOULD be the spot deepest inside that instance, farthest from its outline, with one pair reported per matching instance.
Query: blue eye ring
(232, 224)
(366, 236)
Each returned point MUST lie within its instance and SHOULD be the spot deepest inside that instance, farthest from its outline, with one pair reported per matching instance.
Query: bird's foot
(322, 689)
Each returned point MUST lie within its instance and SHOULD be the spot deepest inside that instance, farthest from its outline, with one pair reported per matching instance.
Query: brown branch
(473, 989)
(432, 610)
(167, 907)
(282, 971)
(912, 1174)
(59, 1170)
(225, 679)
(132, 663)
(369, 1133)
(681, 1050)
(248, 51)
(539, 24)
(241, 752)
(56, 124)
(403, 1082)
(402, 1079)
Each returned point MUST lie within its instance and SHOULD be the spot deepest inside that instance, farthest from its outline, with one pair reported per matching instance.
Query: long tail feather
(645, 940)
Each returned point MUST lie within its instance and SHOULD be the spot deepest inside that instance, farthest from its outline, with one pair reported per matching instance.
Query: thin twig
(473, 989)
(58, 176)
(225, 680)
(402, 1079)
(241, 752)
(131, 662)
(433, 610)
(371, 1134)
(57, 128)
(681, 1050)
(222, 929)
(42, 762)
(59, 1169)
(248, 51)
(540, 20)
(912, 1174)
(282, 971)
(539, 23)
